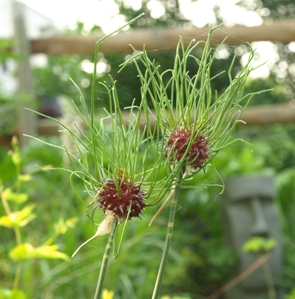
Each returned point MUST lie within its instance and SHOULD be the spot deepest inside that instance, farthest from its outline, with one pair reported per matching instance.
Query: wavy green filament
(93, 135)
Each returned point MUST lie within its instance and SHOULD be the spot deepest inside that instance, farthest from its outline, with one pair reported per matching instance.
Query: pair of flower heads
(122, 199)
(191, 124)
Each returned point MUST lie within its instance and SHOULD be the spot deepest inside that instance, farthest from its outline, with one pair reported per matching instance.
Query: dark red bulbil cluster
(178, 143)
(118, 201)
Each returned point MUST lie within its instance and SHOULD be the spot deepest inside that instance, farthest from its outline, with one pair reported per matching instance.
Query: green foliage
(259, 244)
(277, 9)
(8, 113)
(52, 79)
(286, 187)
(197, 235)
(291, 295)
(26, 251)
(281, 74)
(5, 51)
(10, 103)
(15, 197)
(12, 294)
(274, 143)
(103, 153)
(197, 253)
(126, 150)
(174, 297)
(17, 219)
(276, 96)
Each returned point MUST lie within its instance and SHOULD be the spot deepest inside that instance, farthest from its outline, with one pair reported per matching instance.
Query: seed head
(178, 143)
(121, 198)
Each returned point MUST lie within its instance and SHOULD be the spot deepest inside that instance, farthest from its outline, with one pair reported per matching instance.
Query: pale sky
(90, 12)
(105, 12)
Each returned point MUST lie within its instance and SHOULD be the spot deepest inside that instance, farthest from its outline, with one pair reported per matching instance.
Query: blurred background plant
(200, 263)
(9, 103)
(17, 212)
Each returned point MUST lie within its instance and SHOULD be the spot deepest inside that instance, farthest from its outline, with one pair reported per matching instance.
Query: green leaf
(257, 244)
(12, 294)
(107, 294)
(15, 197)
(18, 218)
(291, 295)
(24, 177)
(27, 251)
(62, 226)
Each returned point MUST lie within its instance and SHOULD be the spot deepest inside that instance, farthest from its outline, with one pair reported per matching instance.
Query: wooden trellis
(261, 115)
(166, 40)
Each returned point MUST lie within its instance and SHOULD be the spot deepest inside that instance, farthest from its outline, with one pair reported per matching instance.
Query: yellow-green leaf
(6, 222)
(107, 294)
(12, 294)
(61, 227)
(18, 218)
(50, 252)
(15, 197)
(27, 251)
(257, 244)
(24, 177)
(22, 252)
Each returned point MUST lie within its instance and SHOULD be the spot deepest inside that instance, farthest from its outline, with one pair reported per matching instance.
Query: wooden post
(27, 122)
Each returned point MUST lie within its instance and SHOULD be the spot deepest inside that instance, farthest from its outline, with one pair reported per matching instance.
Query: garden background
(200, 263)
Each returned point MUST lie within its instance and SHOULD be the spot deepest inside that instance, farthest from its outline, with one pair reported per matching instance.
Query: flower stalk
(170, 226)
(105, 260)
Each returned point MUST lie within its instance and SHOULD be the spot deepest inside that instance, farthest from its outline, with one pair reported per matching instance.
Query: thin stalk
(20, 263)
(18, 241)
(269, 281)
(105, 261)
(8, 212)
(17, 275)
(170, 225)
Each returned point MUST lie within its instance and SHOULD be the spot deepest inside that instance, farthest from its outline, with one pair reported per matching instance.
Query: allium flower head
(123, 198)
(184, 141)
(194, 120)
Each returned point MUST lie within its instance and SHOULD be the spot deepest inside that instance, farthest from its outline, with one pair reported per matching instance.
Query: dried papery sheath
(104, 228)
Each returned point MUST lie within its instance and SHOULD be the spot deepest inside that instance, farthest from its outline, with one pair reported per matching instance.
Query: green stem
(18, 241)
(17, 275)
(105, 261)
(269, 281)
(8, 212)
(170, 225)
